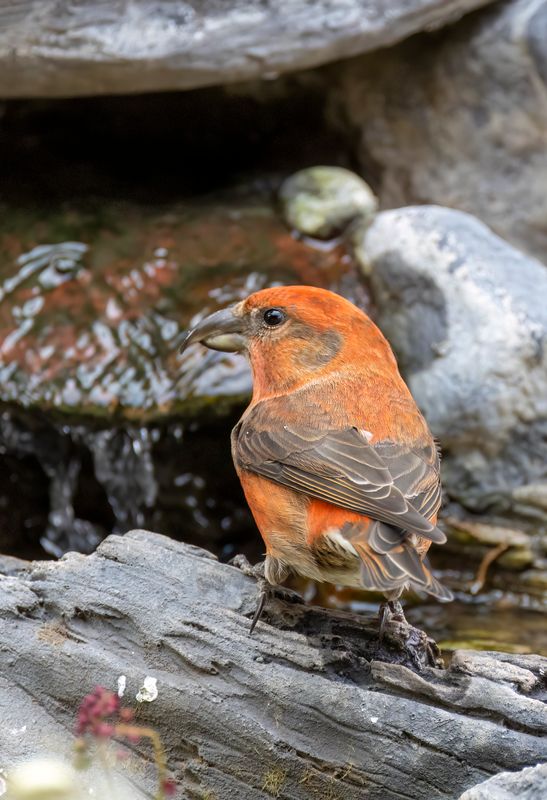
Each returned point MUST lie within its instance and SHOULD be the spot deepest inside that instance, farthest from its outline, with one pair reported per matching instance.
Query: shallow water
(490, 624)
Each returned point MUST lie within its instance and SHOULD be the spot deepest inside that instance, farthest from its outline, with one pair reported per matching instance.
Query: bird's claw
(263, 596)
(267, 590)
(257, 571)
(390, 611)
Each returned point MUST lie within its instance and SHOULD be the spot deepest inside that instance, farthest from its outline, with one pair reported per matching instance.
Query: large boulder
(459, 118)
(528, 784)
(55, 48)
(467, 316)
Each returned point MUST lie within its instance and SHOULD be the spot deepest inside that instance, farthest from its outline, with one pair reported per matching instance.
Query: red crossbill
(336, 461)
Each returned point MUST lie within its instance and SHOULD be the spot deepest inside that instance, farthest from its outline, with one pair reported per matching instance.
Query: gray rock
(56, 48)
(301, 709)
(528, 784)
(459, 119)
(467, 316)
(323, 201)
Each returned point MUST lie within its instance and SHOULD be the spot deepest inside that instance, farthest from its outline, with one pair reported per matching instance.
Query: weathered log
(311, 705)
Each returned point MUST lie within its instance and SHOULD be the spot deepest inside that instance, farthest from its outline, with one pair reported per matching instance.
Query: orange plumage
(337, 464)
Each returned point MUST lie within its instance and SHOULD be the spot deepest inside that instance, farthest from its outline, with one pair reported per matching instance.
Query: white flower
(122, 683)
(148, 691)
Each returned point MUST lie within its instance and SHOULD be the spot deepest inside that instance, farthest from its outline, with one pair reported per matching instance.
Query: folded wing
(387, 482)
(396, 486)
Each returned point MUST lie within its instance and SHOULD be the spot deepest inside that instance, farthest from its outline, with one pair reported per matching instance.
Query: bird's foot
(422, 649)
(257, 571)
(390, 611)
(267, 590)
(242, 562)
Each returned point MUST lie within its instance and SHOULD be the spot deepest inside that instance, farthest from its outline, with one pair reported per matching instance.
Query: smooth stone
(53, 49)
(528, 784)
(322, 201)
(467, 317)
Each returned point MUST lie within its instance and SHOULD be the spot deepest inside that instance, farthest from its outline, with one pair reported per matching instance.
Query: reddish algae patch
(94, 304)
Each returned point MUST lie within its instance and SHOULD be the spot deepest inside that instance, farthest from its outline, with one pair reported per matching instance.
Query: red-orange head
(294, 334)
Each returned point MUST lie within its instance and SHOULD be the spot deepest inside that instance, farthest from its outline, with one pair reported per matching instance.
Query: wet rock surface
(95, 329)
(458, 118)
(310, 703)
(465, 313)
(53, 48)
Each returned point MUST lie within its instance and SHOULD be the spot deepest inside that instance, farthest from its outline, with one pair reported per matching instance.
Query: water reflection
(93, 327)
(509, 620)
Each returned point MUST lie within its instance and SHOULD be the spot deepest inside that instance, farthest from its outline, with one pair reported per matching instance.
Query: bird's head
(291, 334)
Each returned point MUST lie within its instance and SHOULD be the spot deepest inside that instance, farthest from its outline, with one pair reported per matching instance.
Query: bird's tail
(389, 562)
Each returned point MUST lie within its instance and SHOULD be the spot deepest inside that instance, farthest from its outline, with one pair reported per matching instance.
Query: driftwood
(310, 706)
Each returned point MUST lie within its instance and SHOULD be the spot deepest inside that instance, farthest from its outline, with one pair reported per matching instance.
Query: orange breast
(279, 513)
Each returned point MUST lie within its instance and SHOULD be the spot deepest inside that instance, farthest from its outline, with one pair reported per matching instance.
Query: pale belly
(282, 518)
(330, 559)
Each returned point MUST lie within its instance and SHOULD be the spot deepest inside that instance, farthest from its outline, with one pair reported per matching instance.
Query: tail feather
(435, 587)
(389, 562)
(383, 538)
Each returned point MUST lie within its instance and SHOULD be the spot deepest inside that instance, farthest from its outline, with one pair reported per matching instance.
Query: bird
(336, 461)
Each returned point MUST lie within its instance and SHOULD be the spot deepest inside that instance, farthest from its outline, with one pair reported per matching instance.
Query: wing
(387, 482)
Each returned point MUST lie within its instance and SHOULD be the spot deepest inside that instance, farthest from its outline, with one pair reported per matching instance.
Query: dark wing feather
(415, 471)
(389, 561)
(390, 572)
(387, 482)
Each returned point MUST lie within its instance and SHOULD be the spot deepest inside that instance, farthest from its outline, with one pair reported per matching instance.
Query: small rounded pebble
(322, 201)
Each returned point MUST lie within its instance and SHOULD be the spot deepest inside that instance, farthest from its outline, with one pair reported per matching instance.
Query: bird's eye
(273, 317)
